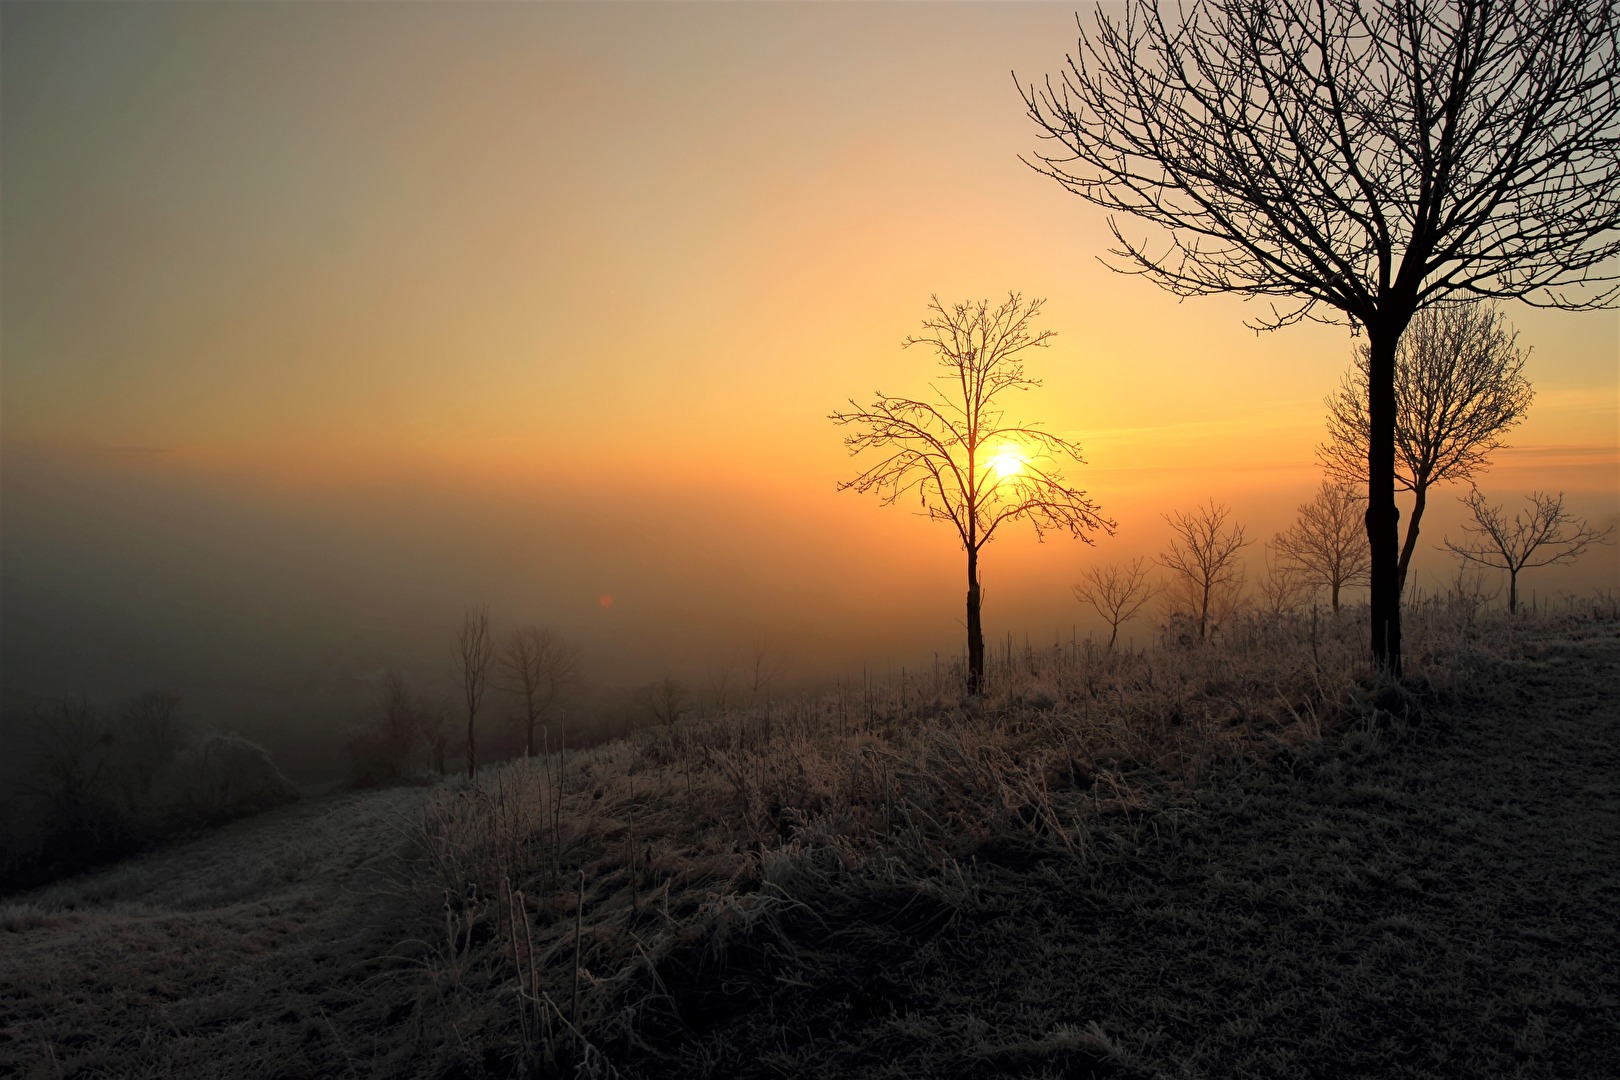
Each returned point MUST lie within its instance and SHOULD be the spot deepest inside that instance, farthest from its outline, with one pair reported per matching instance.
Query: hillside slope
(1425, 899)
(254, 950)
(1432, 901)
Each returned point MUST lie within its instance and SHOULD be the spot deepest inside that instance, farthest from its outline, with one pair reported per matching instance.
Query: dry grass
(1242, 860)
(262, 949)
(826, 826)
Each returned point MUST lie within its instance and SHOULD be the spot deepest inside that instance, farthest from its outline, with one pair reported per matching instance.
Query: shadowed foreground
(1432, 899)
(253, 951)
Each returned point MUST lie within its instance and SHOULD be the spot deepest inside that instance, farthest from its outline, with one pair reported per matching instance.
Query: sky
(324, 322)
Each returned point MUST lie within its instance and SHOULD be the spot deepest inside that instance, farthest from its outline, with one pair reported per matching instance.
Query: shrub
(225, 776)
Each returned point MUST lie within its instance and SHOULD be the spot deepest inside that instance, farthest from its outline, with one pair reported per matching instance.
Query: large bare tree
(536, 666)
(471, 662)
(955, 452)
(1203, 559)
(1327, 544)
(1116, 591)
(1459, 384)
(1548, 534)
(1352, 162)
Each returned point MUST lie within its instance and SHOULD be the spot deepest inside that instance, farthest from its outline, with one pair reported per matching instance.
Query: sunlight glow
(1007, 462)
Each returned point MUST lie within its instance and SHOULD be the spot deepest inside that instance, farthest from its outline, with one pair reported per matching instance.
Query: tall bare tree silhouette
(1459, 383)
(1352, 162)
(955, 452)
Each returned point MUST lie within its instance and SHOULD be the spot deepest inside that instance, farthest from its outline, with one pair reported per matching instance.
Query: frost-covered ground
(1220, 894)
(261, 949)
(1437, 901)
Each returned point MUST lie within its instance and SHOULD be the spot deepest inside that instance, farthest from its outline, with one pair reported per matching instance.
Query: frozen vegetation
(1241, 858)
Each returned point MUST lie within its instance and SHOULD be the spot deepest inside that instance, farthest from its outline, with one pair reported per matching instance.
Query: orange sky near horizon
(561, 295)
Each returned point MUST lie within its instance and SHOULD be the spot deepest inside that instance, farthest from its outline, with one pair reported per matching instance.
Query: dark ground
(1427, 899)
(1423, 900)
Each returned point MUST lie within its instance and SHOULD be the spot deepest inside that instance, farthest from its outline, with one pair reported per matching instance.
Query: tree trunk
(1113, 637)
(1513, 592)
(1383, 517)
(975, 628)
(1334, 589)
(1420, 493)
(472, 747)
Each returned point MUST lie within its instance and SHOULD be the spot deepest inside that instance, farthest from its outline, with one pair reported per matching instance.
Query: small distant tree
(382, 750)
(762, 669)
(666, 700)
(435, 716)
(957, 455)
(1284, 589)
(537, 667)
(471, 662)
(1203, 556)
(151, 731)
(70, 758)
(1327, 544)
(1459, 384)
(1116, 592)
(400, 723)
(721, 684)
(1547, 534)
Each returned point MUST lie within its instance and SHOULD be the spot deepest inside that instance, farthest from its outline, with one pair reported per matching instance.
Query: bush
(100, 787)
(226, 776)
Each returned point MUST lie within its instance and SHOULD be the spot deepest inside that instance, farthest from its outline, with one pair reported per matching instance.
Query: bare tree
(537, 667)
(384, 750)
(762, 669)
(1116, 592)
(400, 726)
(1352, 162)
(436, 714)
(667, 700)
(472, 660)
(1548, 534)
(957, 455)
(1203, 556)
(721, 684)
(1327, 544)
(151, 731)
(1459, 383)
(1284, 589)
(70, 756)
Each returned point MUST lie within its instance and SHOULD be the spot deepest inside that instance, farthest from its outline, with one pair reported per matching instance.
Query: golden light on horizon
(397, 315)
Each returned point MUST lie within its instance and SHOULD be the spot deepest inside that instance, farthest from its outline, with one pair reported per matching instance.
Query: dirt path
(255, 950)
(1434, 903)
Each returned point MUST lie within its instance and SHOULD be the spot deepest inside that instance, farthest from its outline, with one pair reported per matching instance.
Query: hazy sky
(322, 322)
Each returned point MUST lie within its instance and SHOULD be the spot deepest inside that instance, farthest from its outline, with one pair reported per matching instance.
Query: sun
(1007, 462)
